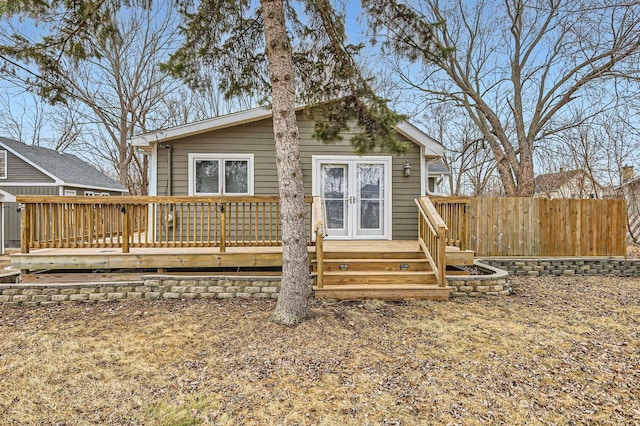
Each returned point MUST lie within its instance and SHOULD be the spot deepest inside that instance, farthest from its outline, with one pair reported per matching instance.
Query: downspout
(169, 190)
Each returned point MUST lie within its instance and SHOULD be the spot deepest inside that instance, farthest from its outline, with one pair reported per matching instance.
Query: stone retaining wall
(494, 283)
(152, 287)
(568, 266)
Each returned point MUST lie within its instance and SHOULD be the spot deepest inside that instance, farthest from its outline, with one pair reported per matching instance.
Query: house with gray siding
(33, 170)
(366, 197)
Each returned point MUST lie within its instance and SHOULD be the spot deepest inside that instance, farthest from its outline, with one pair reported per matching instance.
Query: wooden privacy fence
(493, 226)
(124, 222)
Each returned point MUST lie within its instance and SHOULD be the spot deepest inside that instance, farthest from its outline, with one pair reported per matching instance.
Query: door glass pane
(370, 178)
(207, 176)
(370, 214)
(335, 214)
(371, 196)
(334, 191)
(236, 177)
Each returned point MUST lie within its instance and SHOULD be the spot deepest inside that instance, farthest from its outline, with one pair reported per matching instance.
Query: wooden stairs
(378, 272)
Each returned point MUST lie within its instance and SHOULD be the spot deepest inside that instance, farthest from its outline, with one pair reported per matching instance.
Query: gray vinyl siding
(11, 214)
(257, 138)
(19, 171)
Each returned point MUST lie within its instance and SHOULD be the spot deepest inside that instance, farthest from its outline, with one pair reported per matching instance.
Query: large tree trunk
(292, 304)
(526, 179)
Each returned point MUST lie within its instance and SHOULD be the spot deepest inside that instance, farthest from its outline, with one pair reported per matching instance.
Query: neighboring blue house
(33, 170)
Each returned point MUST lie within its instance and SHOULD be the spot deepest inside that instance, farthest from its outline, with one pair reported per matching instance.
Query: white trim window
(70, 192)
(220, 174)
(3, 164)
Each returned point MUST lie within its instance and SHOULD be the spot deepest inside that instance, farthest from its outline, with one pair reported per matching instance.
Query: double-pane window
(212, 174)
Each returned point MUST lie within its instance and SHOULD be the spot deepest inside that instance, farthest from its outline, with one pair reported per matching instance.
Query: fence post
(223, 230)
(464, 232)
(125, 229)
(25, 228)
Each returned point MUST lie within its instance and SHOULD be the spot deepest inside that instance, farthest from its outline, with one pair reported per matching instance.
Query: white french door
(357, 193)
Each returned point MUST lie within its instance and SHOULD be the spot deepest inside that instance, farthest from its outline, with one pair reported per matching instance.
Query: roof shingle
(66, 167)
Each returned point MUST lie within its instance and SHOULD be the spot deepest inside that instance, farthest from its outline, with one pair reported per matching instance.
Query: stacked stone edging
(606, 266)
(495, 283)
(52, 294)
(151, 287)
(212, 287)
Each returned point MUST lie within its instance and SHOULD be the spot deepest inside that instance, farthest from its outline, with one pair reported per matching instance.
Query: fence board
(541, 227)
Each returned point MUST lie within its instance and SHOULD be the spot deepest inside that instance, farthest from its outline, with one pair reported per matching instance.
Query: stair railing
(431, 237)
(319, 220)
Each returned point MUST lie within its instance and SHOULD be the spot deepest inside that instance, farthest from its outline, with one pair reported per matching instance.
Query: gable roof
(432, 147)
(64, 168)
(437, 167)
(548, 182)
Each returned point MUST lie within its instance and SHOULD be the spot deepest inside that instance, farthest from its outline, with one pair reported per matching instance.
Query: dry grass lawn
(559, 351)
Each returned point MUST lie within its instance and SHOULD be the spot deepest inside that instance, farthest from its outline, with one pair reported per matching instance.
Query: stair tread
(357, 273)
(363, 260)
(374, 255)
(379, 287)
(390, 292)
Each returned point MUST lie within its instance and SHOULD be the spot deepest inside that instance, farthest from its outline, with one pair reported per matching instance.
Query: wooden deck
(147, 258)
(395, 270)
(203, 257)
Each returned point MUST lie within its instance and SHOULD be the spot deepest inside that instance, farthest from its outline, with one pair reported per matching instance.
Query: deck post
(442, 257)
(317, 220)
(319, 257)
(25, 228)
(125, 229)
(223, 230)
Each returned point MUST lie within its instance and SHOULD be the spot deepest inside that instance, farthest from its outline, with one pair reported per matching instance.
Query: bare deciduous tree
(23, 120)
(467, 155)
(124, 87)
(513, 66)
(109, 94)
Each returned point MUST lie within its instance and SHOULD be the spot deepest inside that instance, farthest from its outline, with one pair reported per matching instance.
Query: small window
(95, 194)
(70, 192)
(3, 164)
(432, 185)
(226, 174)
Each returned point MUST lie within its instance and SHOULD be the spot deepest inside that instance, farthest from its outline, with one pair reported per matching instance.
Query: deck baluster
(223, 229)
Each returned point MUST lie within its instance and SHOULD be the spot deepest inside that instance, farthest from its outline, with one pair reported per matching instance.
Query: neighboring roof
(5, 197)
(554, 181)
(437, 167)
(66, 169)
(632, 181)
(432, 147)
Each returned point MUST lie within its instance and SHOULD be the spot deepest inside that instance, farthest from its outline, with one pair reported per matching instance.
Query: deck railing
(125, 222)
(431, 236)
(455, 213)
